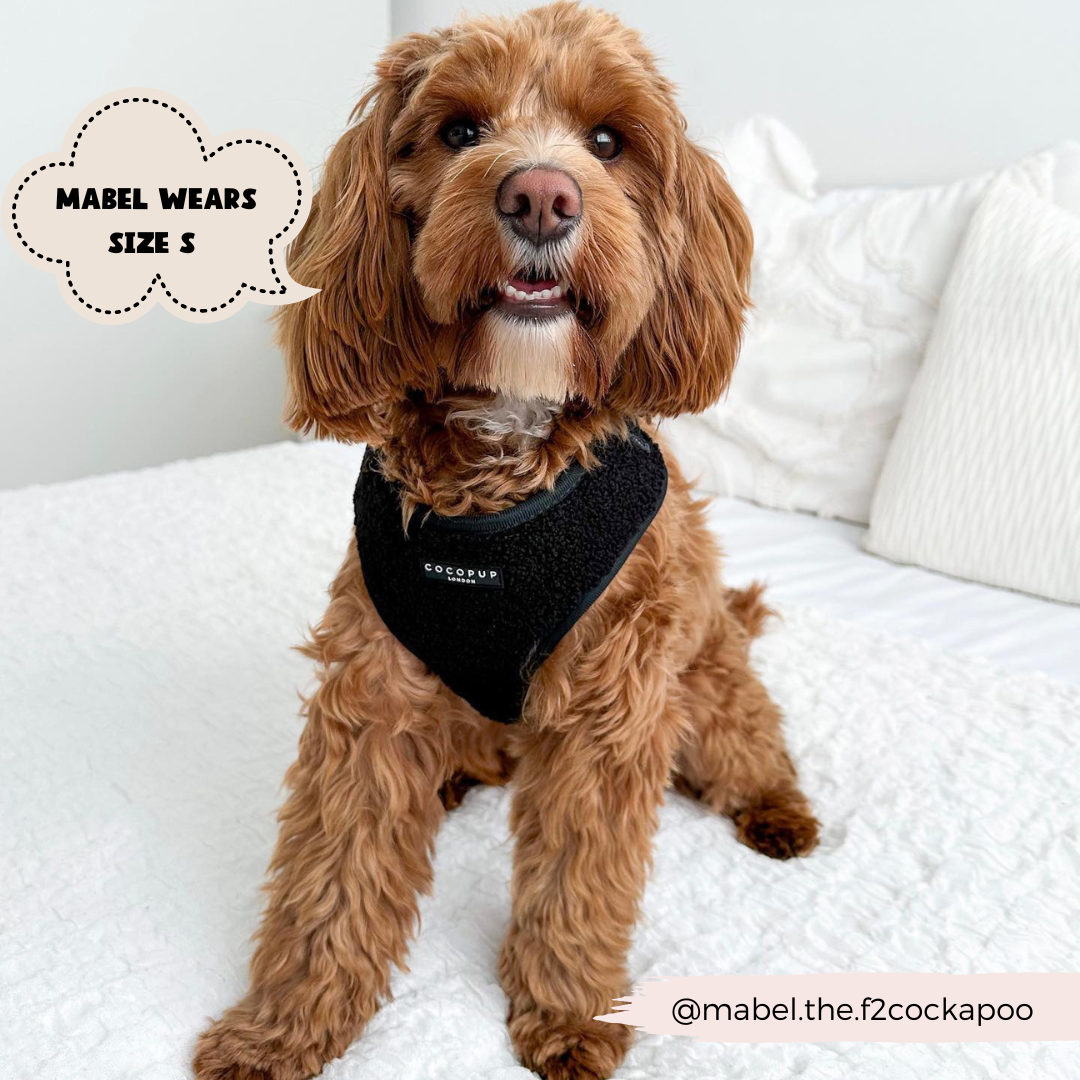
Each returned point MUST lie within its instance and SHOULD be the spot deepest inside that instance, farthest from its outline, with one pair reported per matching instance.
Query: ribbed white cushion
(982, 480)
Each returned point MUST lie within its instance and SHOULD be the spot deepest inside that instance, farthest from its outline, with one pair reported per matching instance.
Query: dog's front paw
(561, 1049)
(780, 826)
(239, 1047)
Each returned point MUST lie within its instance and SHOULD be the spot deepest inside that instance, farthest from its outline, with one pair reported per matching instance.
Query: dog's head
(516, 208)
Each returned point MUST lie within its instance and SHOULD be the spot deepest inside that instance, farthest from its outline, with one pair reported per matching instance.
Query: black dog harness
(484, 599)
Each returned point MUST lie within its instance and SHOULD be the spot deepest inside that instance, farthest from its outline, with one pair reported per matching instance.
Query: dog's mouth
(532, 294)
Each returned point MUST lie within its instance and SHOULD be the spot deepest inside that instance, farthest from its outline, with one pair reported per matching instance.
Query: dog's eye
(459, 133)
(604, 143)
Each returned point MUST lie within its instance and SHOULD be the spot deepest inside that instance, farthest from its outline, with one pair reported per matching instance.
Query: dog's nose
(539, 204)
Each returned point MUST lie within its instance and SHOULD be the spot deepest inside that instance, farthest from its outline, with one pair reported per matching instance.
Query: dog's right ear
(354, 345)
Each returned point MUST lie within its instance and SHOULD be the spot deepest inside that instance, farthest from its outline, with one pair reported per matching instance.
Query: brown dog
(491, 164)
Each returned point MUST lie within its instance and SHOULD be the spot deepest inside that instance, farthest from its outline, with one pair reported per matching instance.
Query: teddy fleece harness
(483, 600)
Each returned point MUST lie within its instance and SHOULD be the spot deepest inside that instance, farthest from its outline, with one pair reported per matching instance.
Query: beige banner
(143, 206)
(871, 1007)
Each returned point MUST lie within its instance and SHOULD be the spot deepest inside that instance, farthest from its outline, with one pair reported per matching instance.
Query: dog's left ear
(682, 357)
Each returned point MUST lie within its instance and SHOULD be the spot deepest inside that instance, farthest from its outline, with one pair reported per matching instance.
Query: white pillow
(763, 150)
(983, 478)
(845, 288)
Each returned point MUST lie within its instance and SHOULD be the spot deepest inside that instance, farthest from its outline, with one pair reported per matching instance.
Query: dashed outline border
(157, 277)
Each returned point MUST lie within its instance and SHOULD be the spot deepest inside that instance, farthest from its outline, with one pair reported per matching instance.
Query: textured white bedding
(148, 711)
(845, 289)
(807, 560)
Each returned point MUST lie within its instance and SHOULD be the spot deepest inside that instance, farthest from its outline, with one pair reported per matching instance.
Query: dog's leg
(353, 852)
(733, 757)
(583, 815)
(480, 756)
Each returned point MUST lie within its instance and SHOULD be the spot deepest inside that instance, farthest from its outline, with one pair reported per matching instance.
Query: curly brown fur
(403, 348)
(749, 608)
(480, 755)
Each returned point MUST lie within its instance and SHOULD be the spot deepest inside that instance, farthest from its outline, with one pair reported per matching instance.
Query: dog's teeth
(513, 293)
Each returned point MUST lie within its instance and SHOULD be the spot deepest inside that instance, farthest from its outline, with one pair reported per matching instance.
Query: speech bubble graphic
(142, 207)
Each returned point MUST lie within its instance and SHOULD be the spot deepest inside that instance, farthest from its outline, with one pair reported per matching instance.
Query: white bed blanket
(816, 562)
(148, 711)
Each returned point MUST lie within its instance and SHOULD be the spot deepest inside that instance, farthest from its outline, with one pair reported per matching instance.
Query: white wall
(76, 398)
(898, 92)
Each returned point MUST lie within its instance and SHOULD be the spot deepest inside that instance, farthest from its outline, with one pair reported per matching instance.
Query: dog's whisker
(495, 162)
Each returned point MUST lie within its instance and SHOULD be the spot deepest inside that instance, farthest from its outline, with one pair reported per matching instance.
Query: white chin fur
(507, 417)
(530, 358)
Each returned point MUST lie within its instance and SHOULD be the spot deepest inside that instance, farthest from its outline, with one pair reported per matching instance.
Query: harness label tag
(486, 577)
